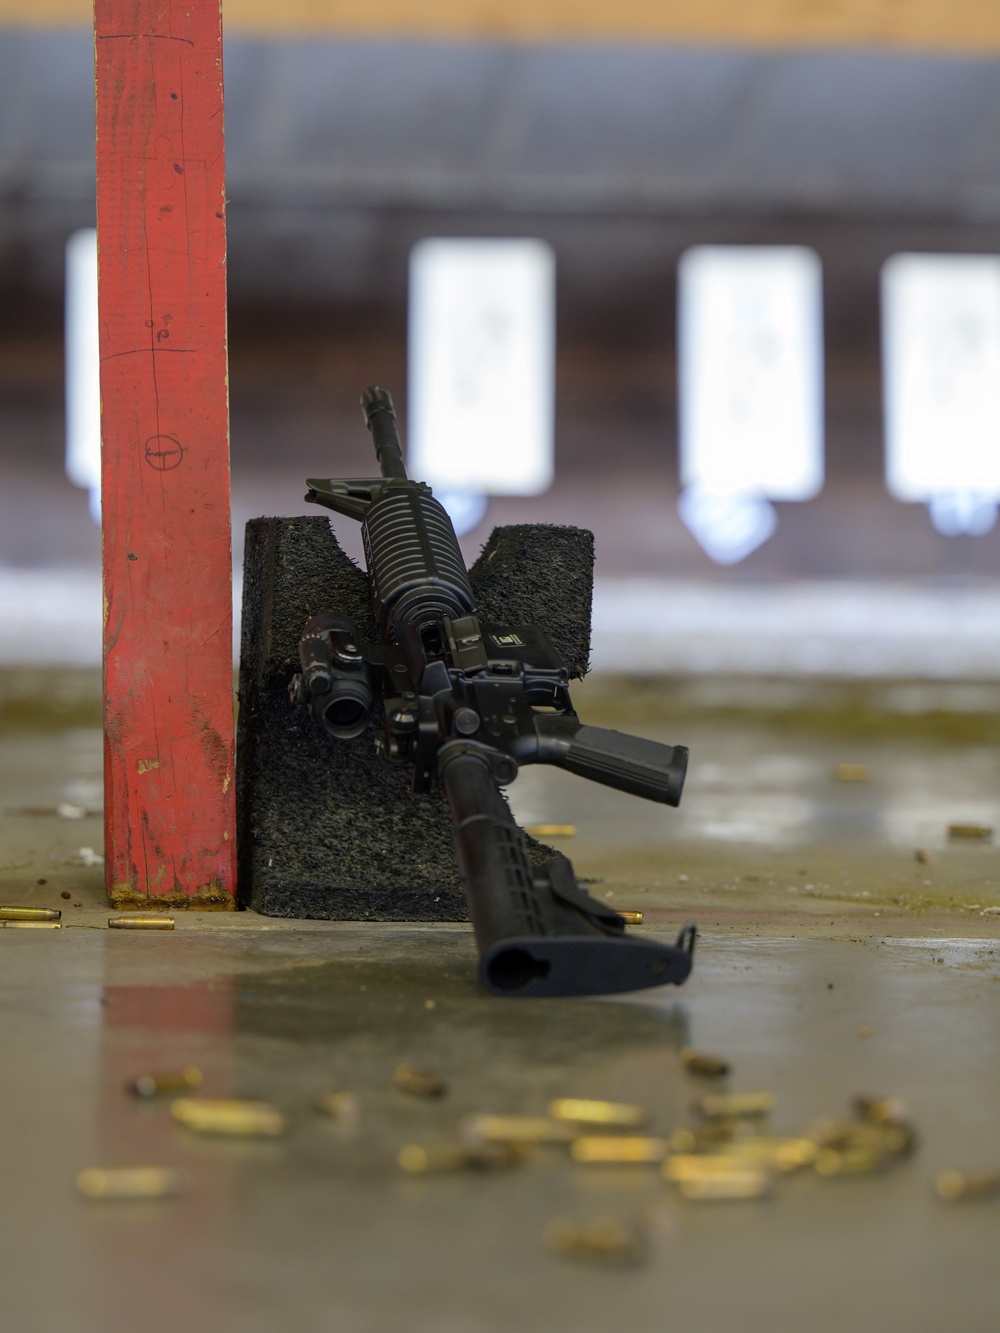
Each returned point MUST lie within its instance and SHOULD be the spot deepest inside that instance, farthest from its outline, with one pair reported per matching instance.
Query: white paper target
(83, 367)
(482, 365)
(941, 369)
(750, 347)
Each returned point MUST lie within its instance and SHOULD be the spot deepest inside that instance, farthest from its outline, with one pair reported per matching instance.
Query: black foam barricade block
(327, 828)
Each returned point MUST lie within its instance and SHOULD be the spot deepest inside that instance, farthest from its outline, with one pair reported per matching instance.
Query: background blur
(621, 134)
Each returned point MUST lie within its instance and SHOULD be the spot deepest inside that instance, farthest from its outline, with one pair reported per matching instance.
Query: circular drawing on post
(164, 453)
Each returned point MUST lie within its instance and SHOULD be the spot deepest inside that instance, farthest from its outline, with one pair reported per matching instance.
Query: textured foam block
(326, 828)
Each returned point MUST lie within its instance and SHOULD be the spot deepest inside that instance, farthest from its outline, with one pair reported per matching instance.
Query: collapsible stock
(539, 934)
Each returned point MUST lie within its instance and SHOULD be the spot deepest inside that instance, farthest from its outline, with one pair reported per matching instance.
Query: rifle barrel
(380, 418)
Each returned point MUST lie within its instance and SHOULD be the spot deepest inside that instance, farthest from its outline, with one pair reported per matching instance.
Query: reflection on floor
(832, 962)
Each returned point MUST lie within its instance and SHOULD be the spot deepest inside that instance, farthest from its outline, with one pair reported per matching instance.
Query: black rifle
(462, 701)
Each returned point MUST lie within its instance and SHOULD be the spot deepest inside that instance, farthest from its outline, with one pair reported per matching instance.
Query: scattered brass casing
(981, 831)
(130, 1182)
(704, 1137)
(777, 1153)
(584, 1111)
(167, 1084)
(344, 1107)
(416, 1159)
(606, 1149)
(551, 830)
(140, 922)
(631, 918)
(602, 1239)
(850, 1161)
(418, 1082)
(891, 1117)
(882, 1110)
(745, 1184)
(30, 914)
(736, 1105)
(516, 1129)
(703, 1064)
(889, 1139)
(242, 1118)
(963, 1187)
(714, 1176)
(832, 1131)
(690, 1166)
(851, 772)
(31, 925)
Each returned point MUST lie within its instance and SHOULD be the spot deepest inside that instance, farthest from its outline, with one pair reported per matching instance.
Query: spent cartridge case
(516, 1129)
(703, 1064)
(982, 832)
(631, 918)
(607, 1149)
(418, 1082)
(130, 1182)
(690, 1166)
(167, 1084)
(602, 1239)
(779, 1154)
(31, 925)
(551, 830)
(140, 922)
(703, 1138)
(240, 1118)
(965, 1187)
(849, 1161)
(584, 1111)
(833, 1131)
(744, 1184)
(882, 1110)
(416, 1159)
(30, 914)
(736, 1105)
(851, 772)
(842, 1135)
(343, 1107)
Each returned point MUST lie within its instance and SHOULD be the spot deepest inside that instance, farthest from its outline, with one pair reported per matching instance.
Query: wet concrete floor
(831, 963)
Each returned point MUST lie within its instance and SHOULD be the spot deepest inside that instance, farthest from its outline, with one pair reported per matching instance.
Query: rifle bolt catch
(465, 722)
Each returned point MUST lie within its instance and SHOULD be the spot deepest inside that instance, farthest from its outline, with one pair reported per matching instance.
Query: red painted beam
(168, 706)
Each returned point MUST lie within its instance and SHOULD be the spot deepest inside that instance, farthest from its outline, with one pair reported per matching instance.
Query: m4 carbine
(465, 704)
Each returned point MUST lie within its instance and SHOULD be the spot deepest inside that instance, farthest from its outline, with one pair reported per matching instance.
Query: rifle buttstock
(532, 940)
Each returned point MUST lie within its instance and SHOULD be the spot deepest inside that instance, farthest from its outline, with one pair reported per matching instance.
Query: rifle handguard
(539, 934)
(630, 763)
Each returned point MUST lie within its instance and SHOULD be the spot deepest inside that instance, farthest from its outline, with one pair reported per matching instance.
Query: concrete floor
(831, 963)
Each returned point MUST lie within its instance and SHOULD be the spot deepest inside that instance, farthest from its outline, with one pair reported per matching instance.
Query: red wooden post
(168, 707)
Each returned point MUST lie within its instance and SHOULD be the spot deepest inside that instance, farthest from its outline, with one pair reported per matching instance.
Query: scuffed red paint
(169, 738)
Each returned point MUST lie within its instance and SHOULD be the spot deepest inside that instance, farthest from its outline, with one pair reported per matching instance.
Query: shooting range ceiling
(342, 152)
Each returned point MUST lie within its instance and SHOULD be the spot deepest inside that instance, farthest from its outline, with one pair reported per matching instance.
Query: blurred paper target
(750, 377)
(941, 376)
(83, 368)
(481, 370)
